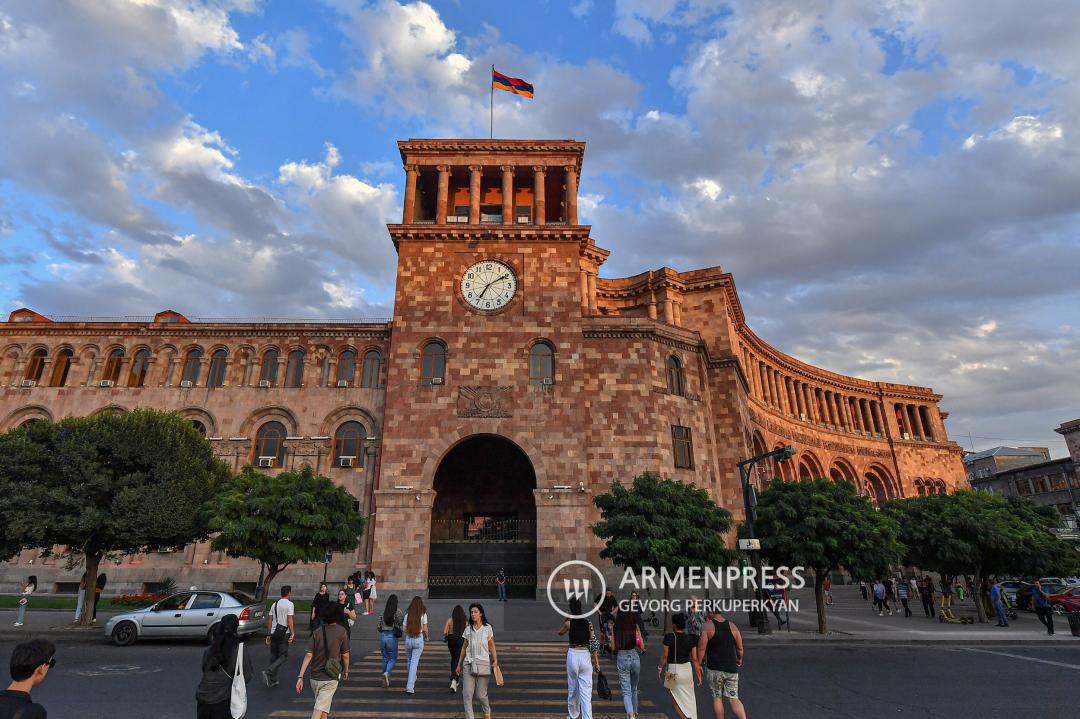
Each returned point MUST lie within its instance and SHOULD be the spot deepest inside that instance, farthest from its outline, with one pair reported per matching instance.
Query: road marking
(1015, 656)
(115, 669)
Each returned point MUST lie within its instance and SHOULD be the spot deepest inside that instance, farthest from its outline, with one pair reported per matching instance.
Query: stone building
(512, 384)
(1053, 483)
(980, 465)
(1071, 432)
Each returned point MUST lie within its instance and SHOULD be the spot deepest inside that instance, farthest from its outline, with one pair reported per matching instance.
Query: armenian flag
(510, 84)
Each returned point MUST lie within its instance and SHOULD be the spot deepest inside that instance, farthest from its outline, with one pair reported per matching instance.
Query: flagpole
(491, 119)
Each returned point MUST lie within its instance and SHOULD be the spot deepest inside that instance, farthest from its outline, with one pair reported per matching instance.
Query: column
(916, 421)
(772, 387)
(411, 173)
(879, 423)
(927, 425)
(808, 401)
(592, 293)
(830, 410)
(584, 292)
(474, 194)
(444, 189)
(652, 305)
(793, 397)
(841, 418)
(539, 206)
(851, 405)
(669, 311)
(678, 313)
(507, 194)
(868, 422)
(781, 391)
(800, 400)
(571, 195)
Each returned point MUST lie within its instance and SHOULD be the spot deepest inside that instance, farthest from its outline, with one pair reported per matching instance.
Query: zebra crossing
(535, 687)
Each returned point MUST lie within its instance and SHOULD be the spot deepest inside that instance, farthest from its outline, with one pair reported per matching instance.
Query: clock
(488, 286)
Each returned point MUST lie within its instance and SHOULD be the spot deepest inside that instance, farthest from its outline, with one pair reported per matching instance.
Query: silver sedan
(192, 615)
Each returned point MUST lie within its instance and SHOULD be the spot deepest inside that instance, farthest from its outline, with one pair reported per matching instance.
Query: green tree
(114, 484)
(662, 523)
(824, 525)
(293, 517)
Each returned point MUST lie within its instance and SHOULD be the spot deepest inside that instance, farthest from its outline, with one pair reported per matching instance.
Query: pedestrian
(902, 594)
(452, 631)
(695, 620)
(1042, 607)
(500, 584)
(416, 634)
(81, 601)
(365, 590)
(582, 656)
(999, 606)
(888, 598)
(390, 629)
(328, 656)
(351, 589)
(24, 601)
(634, 607)
(219, 663)
(320, 600)
(960, 590)
(626, 642)
(280, 633)
(347, 616)
(914, 587)
(372, 594)
(99, 587)
(927, 595)
(721, 650)
(826, 586)
(478, 660)
(862, 589)
(30, 664)
(676, 667)
(879, 597)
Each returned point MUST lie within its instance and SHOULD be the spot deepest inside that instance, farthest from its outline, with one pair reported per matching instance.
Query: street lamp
(781, 454)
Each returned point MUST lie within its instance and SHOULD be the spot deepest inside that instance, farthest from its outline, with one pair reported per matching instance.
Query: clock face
(488, 285)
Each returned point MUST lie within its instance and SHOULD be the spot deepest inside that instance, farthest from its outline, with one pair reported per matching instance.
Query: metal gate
(466, 554)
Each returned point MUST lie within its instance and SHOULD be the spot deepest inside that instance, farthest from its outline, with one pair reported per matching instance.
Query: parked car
(191, 614)
(1052, 585)
(1010, 587)
(1066, 601)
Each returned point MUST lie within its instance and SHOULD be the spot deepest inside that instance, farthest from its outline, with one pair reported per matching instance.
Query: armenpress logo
(576, 578)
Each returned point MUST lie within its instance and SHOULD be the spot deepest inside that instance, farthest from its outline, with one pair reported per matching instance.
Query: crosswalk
(535, 686)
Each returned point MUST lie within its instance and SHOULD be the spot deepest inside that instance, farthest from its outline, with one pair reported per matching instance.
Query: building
(1071, 432)
(1052, 483)
(980, 465)
(511, 386)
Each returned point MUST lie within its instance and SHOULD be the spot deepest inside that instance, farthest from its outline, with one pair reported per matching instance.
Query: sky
(895, 185)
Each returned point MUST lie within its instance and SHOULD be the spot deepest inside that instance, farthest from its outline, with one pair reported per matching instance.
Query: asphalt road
(158, 680)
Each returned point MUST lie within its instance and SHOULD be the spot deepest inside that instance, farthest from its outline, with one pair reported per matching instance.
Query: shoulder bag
(281, 631)
(399, 632)
(594, 641)
(238, 697)
(671, 675)
(333, 666)
(602, 689)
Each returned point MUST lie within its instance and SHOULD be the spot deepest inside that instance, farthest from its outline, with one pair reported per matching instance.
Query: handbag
(671, 675)
(238, 697)
(497, 671)
(281, 631)
(594, 641)
(333, 666)
(638, 641)
(602, 689)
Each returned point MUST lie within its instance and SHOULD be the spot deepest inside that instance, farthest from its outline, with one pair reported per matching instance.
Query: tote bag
(238, 700)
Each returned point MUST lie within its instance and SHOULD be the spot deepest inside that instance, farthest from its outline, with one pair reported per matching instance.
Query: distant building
(1050, 484)
(1071, 432)
(981, 465)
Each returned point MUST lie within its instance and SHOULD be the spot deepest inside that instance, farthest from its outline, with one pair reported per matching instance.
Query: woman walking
(214, 694)
(416, 633)
(99, 587)
(81, 602)
(372, 595)
(676, 670)
(479, 659)
(452, 635)
(389, 631)
(24, 601)
(625, 642)
(321, 600)
(347, 615)
(581, 657)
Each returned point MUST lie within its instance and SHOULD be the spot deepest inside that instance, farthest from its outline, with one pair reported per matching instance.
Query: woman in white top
(479, 659)
(416, 633)
(30, 588)
(372, 595)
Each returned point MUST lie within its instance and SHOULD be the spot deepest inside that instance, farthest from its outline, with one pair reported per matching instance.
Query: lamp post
(781, 454)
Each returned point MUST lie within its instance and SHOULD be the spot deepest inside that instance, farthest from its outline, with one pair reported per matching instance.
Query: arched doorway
(483, 519)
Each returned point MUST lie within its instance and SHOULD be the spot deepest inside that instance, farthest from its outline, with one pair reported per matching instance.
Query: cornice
(216, 330)
(655, 332)
(485, 233)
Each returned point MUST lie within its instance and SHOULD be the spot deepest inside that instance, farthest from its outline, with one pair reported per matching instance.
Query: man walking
(280, 634)
(879, 597)
(902, 593)
(927, 596)
(1042, 607)
(30, 664)
(999, 606)
(329, 642)
(721, 648)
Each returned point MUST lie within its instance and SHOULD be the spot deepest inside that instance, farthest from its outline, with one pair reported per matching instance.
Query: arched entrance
(483, 519)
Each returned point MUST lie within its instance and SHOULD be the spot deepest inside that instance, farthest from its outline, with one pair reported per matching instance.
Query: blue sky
(894, 185)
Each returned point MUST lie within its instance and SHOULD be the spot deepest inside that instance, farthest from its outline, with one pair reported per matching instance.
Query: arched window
(140, 365)
(541, 364)
(346, 368)
(268, 373)
(919, 487)
(199, 426)
(192, 366)
(349, 445)
(111, 372)
(433, 363)
(294, 371)
(61, 366)
(217, 368)
(270, 444)
(372, 369)
(35, 365)
(675, 382)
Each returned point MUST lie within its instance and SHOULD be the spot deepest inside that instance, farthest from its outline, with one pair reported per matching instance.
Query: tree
(823, 525)
(114, 484)
(293, 517)
(982, 534)
(662, 523)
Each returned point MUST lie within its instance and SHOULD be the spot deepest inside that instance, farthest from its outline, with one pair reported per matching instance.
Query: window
(140, 365)
(1023, 487)
(675, 381)
(294, 370)
(372, 369)
(349, 442)
(217, 368)
(461, 214)
(522, 214)
(268, 373)
(683, 446)
(112, 365)
(1058, 482)
(175, 602)
(346, 368)
(199, 427)
(270, 442)
(433, 363)
(35, 365)
(192, 366)
(61, 366)
(204, 600)
(491, 214)
(541, 364)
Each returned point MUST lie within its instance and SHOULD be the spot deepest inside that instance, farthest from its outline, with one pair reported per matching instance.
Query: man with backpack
(328, 656)
(280, 632)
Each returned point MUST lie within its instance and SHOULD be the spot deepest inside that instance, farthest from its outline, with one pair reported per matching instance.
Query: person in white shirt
(372, 594)
(281, 631)
(416, 633)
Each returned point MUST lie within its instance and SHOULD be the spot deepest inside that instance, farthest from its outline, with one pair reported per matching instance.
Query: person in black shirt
(30, 664)
(579, 668)
(321, 600)
(675, 668)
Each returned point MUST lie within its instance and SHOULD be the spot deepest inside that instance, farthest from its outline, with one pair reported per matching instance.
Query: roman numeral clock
(488, 286)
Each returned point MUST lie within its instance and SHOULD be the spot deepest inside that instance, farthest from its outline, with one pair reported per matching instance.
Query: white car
(193, 614)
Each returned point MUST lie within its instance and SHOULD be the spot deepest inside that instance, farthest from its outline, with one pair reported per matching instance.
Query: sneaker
(880, 614)
(385, 679)
(410, 691)
(453, 685)
(266, 678)
(18, 624)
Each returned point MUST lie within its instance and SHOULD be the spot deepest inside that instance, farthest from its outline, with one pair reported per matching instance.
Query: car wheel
(1059, 609)
(124, 634)
(211, 633)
